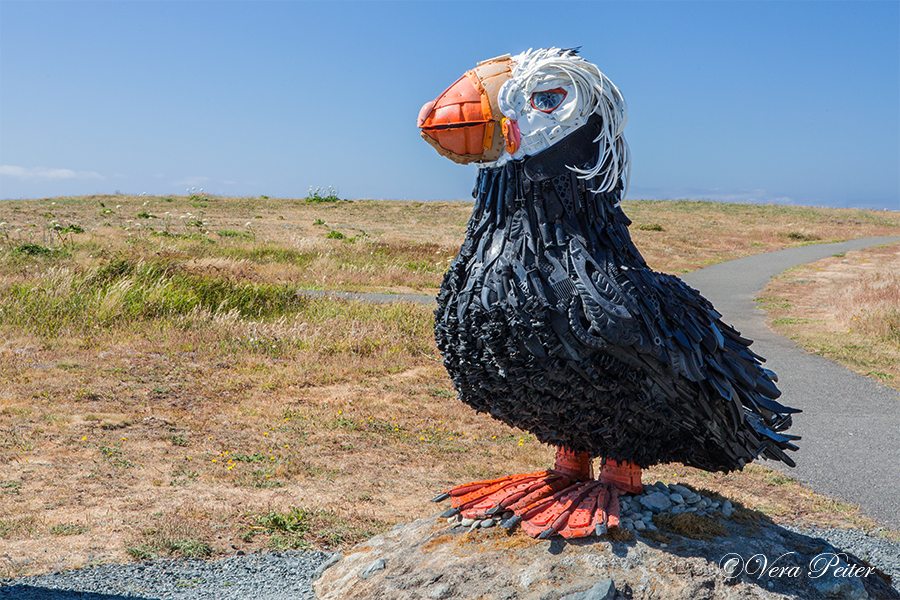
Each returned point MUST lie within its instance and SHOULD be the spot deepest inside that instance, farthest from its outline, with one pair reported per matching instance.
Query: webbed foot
(565, 500)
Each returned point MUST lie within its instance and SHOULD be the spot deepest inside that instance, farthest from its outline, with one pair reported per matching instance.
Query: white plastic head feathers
(545, 95)
(581, 90)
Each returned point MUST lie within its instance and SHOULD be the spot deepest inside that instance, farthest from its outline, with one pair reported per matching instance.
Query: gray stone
(428, 559)
(845, 588)
(680, 489)
(602, 590)
(657, 502)
(372, 568)
(331, 560)
(676, 498)
(440, 591)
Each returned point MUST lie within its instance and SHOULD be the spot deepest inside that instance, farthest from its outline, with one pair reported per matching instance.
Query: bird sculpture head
(547, 102)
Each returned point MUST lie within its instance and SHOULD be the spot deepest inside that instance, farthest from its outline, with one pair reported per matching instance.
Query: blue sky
(788, 102)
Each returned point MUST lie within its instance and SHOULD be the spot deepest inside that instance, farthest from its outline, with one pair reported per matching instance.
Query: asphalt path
(850, 423)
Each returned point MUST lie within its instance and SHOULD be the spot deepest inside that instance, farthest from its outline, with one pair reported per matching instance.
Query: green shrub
(320, 195)
(798, 236)
(29, 249)
(651, 227)
(71, 228)
(235, 234)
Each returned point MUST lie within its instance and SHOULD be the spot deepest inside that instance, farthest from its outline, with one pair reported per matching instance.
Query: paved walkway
(850, 424)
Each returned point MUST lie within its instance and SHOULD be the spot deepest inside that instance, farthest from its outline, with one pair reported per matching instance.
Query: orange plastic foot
(565, 500)
(624, 475)
(475, 500)
(544, 504)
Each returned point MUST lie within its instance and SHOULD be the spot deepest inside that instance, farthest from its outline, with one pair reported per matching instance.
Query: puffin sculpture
(550, 320)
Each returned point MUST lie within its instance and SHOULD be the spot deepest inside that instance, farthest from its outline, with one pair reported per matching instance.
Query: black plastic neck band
(576, 150)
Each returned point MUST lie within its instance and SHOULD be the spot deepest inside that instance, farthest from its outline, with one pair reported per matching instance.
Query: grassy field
(166, 390)
(845, 307)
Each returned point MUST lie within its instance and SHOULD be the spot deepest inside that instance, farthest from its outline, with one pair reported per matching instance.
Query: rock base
(434, 559)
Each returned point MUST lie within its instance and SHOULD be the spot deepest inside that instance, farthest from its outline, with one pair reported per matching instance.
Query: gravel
(261, 576)
(289, 575)
(878, 551)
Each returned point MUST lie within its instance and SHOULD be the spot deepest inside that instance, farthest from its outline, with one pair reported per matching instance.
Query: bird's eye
(548, 100)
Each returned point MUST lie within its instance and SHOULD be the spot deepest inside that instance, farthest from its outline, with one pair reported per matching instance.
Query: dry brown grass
(696, 234)
(387, 246)
(690, 525)
(399, 245)
(126, 432)
(143, 435)
(845, 307)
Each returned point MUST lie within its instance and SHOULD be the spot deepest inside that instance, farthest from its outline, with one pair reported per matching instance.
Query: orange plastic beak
(463, 123)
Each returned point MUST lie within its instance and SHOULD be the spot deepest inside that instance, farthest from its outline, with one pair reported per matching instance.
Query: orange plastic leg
(578, 466)
(624, 475)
